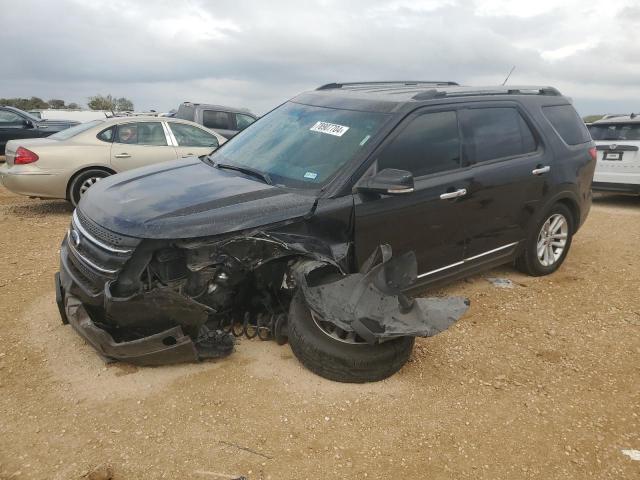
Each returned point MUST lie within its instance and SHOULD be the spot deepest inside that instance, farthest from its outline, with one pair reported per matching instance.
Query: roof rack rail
(433, 93)
(407, 83)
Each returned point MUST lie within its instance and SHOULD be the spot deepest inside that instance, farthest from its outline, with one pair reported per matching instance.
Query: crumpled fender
(371, 302)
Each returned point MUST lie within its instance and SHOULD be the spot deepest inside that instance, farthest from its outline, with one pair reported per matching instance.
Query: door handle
(449, 195)
(122, 155)
(187, 155)
(541, 170)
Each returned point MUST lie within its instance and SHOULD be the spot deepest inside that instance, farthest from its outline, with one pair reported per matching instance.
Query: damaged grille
(109, 238)
(96, 255)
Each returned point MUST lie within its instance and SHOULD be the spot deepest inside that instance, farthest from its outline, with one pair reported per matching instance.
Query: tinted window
(213, 119)
(7, 117)
(106, 135)
(190, 136)
(428, 144)
(496, 133)
(142, 133)
(243, 121)
(615, 131)
(567, 123)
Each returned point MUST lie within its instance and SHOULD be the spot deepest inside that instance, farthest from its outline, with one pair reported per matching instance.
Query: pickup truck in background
(227, 121)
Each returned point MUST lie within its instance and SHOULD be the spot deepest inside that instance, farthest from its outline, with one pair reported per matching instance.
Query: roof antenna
(510, 72)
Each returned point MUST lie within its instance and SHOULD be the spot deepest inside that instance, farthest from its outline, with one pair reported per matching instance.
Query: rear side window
(213, 119)
(106, 135)
(429, 144)
(492, 133)
(567, 123)
(142, 133)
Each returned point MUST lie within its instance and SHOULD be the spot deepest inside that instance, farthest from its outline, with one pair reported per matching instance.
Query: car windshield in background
(615, 131)
(73, 131)
(299, 145)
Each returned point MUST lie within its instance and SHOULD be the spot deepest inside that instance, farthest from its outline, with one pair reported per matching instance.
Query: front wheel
(548, 243)
(339, 355)
(82, 182)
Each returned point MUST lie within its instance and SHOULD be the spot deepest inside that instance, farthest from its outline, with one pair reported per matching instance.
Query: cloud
(258, 54)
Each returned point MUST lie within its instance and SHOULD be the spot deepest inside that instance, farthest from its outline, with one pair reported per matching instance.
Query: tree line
(97, 102)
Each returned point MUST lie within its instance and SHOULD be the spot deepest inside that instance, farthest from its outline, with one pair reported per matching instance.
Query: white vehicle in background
(617, 140)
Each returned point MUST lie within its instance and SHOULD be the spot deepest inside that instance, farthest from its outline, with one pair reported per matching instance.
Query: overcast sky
(257, 54)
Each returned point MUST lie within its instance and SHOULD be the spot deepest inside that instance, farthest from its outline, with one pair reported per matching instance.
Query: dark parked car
(227, 121)
(16, 124)
(315, 224)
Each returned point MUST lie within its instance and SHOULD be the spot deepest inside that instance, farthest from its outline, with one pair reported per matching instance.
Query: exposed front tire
(340, 356)
(548, 242)
(83, 181)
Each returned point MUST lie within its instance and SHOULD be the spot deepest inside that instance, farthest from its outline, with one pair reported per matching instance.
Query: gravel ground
(541, 380)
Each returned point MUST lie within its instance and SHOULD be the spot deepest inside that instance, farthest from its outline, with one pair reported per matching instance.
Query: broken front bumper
(168, 346)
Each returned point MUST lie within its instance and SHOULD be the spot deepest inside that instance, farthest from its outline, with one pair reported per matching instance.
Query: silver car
(67, 163)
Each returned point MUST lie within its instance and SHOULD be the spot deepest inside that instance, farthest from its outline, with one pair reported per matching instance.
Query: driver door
(427, 220)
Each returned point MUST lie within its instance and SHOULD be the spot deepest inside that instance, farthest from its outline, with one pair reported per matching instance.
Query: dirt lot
(538, 381)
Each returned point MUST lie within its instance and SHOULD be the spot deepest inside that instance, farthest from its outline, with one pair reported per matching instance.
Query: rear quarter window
(567, 123)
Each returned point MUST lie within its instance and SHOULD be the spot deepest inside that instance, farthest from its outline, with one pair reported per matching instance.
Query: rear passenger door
(508, 167)
(137, 144)
(428, 145)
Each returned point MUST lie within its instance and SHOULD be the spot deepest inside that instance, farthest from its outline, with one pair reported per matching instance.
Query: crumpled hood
(186, 199)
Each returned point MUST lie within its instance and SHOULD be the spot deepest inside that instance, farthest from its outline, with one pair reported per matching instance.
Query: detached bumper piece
(371, 302)
(170, 345)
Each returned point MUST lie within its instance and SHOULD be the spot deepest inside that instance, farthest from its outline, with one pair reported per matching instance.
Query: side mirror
(388, 182)
(27, 123)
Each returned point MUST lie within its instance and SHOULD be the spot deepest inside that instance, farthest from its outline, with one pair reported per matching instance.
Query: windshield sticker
(311, 175)
(365, 140)
(330, 128)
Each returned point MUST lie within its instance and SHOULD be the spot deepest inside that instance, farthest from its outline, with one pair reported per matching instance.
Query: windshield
(299, 145)
(615, 131)
(73, 131)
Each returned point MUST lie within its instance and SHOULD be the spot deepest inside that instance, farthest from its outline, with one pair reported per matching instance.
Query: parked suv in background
(618, 139)
(315, 223)
(16, 124)
(227, 121)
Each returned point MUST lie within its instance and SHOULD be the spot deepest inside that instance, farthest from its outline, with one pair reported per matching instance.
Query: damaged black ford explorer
(317, 223)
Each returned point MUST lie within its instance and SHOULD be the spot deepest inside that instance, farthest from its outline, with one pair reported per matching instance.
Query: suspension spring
(265, 326)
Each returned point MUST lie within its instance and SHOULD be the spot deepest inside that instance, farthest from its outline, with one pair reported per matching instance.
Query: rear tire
(340, 361)
(82, 182)
(548, 242)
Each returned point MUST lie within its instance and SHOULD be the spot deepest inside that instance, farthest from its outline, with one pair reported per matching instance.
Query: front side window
(302, 146)
(243, 121)
(429, 144)
(190, 136)
(615, 131)
(492, 133)
(213, 119)
(9, 118)
(141, 133)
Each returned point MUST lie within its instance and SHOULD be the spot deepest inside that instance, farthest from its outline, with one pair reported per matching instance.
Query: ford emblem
(613, 146)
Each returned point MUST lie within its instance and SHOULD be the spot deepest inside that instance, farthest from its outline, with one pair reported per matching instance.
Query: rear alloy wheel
(548, 244)
(339, 355)
(83, 182)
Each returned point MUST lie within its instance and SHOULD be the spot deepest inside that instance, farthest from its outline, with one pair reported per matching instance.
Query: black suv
(316, 222)
(16, 124)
